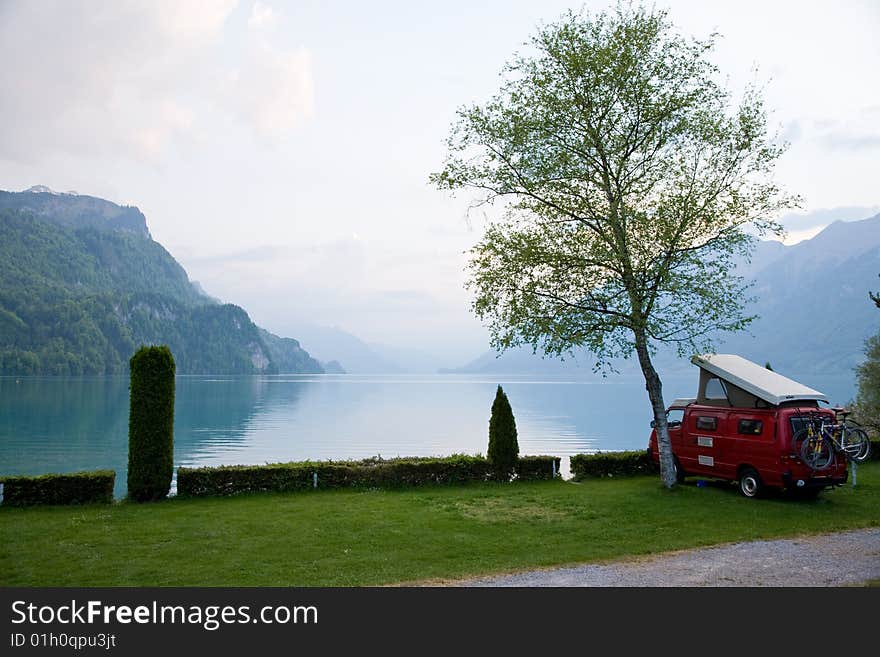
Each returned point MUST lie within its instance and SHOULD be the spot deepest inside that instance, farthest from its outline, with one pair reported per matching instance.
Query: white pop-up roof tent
(730, 380)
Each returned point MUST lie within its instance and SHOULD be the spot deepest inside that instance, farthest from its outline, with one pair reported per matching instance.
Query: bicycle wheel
(861, 444)
(800, 437)
(816, 452)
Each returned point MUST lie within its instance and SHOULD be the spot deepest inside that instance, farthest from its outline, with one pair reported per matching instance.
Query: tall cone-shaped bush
(503, 451)
(151, 424)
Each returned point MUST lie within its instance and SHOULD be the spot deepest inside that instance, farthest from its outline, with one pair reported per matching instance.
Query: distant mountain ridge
(814, 313)
(75, 211)
(333, 345)
(812, 303)
(82, 284)
(337, 348)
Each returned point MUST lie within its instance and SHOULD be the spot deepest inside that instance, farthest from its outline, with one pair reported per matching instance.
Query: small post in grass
(852, 468)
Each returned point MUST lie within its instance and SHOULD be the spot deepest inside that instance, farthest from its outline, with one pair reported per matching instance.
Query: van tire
(750, 484)
(679, 473)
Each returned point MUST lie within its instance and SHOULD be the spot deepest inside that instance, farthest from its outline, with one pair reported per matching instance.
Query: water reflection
(63, 424)
(68, 424)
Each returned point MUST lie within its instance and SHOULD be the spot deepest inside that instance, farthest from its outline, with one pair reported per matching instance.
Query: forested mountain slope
(82, 285)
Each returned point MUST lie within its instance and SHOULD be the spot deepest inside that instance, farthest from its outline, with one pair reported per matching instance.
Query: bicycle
(820, 440)
(855, 441)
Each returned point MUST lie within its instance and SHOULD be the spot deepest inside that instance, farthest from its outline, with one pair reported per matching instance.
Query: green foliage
(612, 464)
(151, 424)
(533, 468)
(95, 487)
(867, 408)
(503, 449)
(368, 473)
(36, 253)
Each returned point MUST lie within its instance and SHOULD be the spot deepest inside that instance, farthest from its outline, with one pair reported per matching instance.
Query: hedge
(531, 468)
(151, 424)
(95, 487)
(368, 473)
(612, 464)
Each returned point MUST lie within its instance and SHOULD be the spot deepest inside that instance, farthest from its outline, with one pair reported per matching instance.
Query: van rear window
(799, 422)
(751, 427)
(707, 423)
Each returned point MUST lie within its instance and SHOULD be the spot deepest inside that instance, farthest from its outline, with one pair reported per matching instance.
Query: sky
(281, 150)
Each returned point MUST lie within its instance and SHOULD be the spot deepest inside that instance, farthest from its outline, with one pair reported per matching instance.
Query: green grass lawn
(347, 537)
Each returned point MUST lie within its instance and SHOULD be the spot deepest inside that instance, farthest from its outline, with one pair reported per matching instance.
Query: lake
(67, 424)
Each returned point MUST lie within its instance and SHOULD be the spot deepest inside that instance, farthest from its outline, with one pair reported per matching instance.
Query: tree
(875, 298)
(151, 424)
(868, 395)
(867, 405)
(503, 451)
(628, 179)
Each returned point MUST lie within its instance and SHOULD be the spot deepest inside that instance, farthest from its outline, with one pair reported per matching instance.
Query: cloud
(791, 132)
(842, 140)
(262, 16)
(131, 78)
(257, 254)
(100, 78)
(273, 90)
(852, 131)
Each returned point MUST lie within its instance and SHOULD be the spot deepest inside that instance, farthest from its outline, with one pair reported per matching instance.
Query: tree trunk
(655, 393)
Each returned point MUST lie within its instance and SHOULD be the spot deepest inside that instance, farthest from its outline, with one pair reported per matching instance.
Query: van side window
(751, 427)
(674, 417)
(707, 423)
(715, 389)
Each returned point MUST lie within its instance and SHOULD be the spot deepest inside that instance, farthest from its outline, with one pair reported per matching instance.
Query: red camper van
(740, 428)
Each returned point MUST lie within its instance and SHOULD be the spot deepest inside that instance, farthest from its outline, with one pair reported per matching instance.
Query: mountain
(288, 356)
(333, 367)
(328, 343)
(82, 284)
(814, 313)
(356, 356)
(74, 211)
(811, 300)
(410, 361)
(522, 361)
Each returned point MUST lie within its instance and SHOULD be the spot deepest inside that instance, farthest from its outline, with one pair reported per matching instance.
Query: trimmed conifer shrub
(503, 452)
(151, 424)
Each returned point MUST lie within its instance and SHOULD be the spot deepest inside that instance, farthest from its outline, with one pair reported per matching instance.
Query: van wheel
(750, 483)
(676, 469)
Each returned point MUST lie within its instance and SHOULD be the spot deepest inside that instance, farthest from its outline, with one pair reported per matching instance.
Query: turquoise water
(70, 424)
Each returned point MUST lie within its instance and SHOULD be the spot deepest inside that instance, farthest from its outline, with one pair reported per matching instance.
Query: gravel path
(829, 560)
